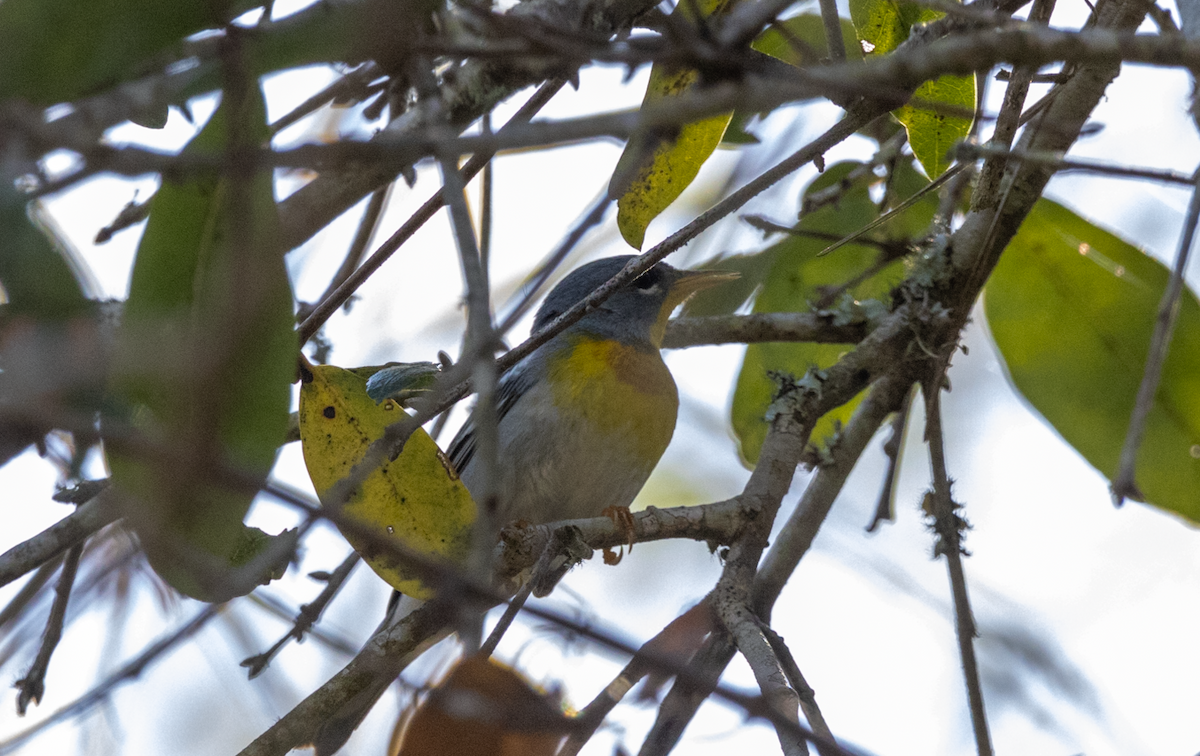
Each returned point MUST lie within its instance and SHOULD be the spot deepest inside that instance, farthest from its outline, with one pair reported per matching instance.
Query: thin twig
(808, 697)
(914, 199)
(479, 350)
(330, 304)
(129, 671)
(32, 587)
(977, 151)
(345, 86)
(277, 608)
(546, 269)
(57, 538)
(306, 617)
(358, 245)
(486, 207)
(762, 327)
(681, 638)
(949, 526)
(893, 448)
(833, 31)
(1125, 483)
(33, 685)
(747, 633)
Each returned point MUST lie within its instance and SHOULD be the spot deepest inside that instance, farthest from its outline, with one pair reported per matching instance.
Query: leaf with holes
(415, 501)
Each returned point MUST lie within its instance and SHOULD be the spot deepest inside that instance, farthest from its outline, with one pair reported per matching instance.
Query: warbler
(582, 421)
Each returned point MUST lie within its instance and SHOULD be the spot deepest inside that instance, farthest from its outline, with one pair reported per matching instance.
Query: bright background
(1087, 614)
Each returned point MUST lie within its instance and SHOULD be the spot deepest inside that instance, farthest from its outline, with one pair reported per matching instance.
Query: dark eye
(647, 281)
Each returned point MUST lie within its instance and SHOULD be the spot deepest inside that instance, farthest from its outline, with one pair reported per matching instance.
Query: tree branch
(33, 684)
(59, 537)
(761, 327)
(1124, 485)
(949, 526)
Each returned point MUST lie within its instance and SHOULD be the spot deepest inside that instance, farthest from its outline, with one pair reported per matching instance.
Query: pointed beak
(692, 281)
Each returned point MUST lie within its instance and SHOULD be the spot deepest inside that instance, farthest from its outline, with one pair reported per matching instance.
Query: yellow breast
(617, 388)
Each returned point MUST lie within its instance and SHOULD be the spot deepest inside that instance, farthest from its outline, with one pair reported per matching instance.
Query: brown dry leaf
(483, 708)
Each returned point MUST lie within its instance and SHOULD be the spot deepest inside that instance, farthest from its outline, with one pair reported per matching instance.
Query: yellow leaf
(415, 500)
(661, 168)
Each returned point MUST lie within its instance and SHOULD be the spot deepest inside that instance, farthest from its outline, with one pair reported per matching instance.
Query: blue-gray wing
(512, 387)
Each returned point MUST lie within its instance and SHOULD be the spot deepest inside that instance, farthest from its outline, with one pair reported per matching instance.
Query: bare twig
(306, 618)
(808, 697)
(129, 671)
(32, 587)
(1124, 485)
(277, 608)
(680, 638)
(358, 245)
(976, 151)
(747, 633)
(131, 214)
(350, 84)
(833, 30)
(761, 327)
(57, 538)
(331, 303)
(949, 526)
(33, 684)
(893, 448)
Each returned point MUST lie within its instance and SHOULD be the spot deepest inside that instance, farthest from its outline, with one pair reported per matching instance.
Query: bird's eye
(647, 282)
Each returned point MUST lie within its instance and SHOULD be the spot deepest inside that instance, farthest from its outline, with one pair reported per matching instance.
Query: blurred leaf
(659, 167)
(415, 500)
(1071, 308)
(486, 709)
(736, 133)
(54, 51)
(206, 352)
(883, 25)
(797, 279)
(800, 41)
(37, 277)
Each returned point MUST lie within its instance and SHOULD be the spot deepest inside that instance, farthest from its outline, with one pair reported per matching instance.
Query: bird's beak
(692, 281)
(688, 283)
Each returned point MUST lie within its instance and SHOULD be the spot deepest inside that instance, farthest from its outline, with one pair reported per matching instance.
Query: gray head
(637, 313)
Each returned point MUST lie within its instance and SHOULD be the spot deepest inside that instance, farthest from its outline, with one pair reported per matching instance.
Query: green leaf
(933, 124)
(205, 356)
(657, 168)
(800, 41)
(37, 276)
(1071, 308)
(797, 279)
(54, 51)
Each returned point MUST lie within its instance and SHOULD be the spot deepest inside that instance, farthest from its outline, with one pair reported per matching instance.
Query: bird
(581, 421)
(584, 419)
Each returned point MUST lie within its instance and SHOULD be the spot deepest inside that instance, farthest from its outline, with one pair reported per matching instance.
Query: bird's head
(636, 313)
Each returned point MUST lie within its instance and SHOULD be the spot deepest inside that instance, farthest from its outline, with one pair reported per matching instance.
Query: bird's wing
(511, 388)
